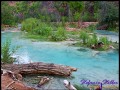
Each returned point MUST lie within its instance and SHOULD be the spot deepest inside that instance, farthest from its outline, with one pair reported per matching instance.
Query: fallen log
(40, 68)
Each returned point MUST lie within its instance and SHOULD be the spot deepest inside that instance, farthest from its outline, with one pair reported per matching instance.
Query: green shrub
(55, 37)
(84, 37)
(90, 41)
(43, 29)
(61, 31)
(103, 48)
(90, 28)
(37, 27)
(58, 35)
(95, 39)
(104, 40)
(29, 24)
(7, 52)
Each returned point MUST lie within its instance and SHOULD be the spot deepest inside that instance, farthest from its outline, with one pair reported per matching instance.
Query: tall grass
(7, 52)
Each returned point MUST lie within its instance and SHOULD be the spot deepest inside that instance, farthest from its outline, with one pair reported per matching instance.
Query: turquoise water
(93, 67)
(113, 36)
(104, 32)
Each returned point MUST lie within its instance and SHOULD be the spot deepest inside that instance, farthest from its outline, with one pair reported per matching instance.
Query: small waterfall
(22, 59)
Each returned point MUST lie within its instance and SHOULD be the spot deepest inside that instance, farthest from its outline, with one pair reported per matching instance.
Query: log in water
(40, 68)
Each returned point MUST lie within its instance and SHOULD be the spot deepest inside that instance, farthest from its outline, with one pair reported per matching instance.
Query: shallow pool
(92, 67)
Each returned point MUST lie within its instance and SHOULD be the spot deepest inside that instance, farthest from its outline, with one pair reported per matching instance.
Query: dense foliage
(37, 27)
(109, 13)
(47, 19)
(105, 12)
(7, 14)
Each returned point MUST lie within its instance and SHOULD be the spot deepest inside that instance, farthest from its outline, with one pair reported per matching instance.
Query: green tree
(108, 13)
(22, 8)
(34, 9)
(7, 13)
(61, 7)
(77, 8)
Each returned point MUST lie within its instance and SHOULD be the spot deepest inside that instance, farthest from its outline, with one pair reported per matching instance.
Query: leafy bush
(35, 26)
(7, 52)
(58, 35)
(61, 31)
(89, 40)
(29, 24)
(42, 29)
(95, 39)
(90, 28)
(92, 40)
(104, 40)
(84, 37)
(55, 37)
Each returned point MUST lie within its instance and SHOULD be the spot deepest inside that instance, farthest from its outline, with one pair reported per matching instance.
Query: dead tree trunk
(40, 68)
